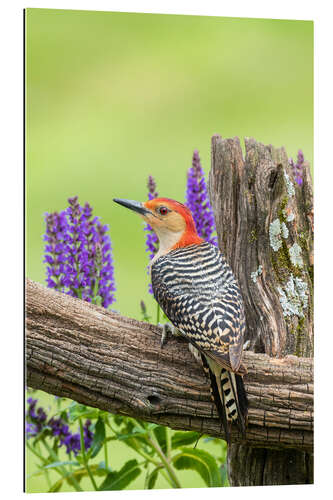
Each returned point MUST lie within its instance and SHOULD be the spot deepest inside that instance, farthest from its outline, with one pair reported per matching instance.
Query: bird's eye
(163, 210)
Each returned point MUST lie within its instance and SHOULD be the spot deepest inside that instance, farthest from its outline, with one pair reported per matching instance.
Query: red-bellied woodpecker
(197, 290)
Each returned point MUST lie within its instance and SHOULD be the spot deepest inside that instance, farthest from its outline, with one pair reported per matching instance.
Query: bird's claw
(167, 329)
(246, 345)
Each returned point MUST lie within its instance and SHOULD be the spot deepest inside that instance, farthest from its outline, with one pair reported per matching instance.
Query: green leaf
(152, 478)
(111, 438)
(139, 443)
(79, 458)
(42, 435)
(98, 439)
(160, 434)
(137, 423)
(63, 415)
(101, 469)
(77, 411)
(224, 475)
(184, 438)
(96, 469)
(150, 426)
(118, 419)
(78, 474)
(135, 434)
(210, 439)
(57, 464)
(118, 480)
(56, 486)
(37, 473)
(202, 462)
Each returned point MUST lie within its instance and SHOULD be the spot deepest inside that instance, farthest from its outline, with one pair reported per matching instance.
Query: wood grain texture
(81, 351)
(248, 195)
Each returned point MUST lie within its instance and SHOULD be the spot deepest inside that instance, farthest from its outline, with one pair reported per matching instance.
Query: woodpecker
(196, 289)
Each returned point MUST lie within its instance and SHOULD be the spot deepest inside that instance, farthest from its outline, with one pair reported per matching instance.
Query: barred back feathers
(196, 289)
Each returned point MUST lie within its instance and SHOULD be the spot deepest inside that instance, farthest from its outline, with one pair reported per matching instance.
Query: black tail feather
(216, 397)
(240, 400)
(242, 397)
(241, 403)
(220, 405)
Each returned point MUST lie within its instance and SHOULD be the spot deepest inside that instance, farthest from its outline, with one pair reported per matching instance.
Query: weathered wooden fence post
(264, 223)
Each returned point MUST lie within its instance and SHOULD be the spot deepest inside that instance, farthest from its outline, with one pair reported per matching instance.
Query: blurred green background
(113, 97)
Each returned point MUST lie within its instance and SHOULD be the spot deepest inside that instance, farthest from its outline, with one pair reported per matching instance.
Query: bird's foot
(246, 345)
(168, 328)
(195, 352)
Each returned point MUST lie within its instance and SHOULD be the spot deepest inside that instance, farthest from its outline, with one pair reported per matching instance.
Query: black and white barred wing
(198, 293)
(212, 326)
(219, 333)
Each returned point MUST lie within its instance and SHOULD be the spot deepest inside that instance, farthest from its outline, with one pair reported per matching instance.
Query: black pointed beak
(136, 206)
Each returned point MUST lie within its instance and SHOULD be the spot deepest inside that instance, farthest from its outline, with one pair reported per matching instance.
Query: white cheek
(167, 238)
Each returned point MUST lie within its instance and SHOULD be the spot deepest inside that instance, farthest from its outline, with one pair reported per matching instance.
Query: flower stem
(106, 455)
(64, 473)
(138, 450)
(84, 456)
(39, 455)
(168, 442)
(44, 462)
(146, 456)
(70, 465)
(156, 463)
(106, 459)
(165, 461)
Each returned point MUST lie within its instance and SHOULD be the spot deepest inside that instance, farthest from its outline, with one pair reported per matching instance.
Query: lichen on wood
(256, 194)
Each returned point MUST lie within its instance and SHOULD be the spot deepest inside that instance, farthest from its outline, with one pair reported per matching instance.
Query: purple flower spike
(151, 239)
(298, 167)
(104, 262)
(59, 428)
(73, 441)
(198, 202)
(56, 427)
(78, 254)
(151, 185)
(56, 228)
(78, 266)
(35, 418)
(87, 434)
(30, 430)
